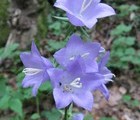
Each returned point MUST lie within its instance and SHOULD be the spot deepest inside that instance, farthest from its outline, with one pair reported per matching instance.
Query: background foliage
(17, 103)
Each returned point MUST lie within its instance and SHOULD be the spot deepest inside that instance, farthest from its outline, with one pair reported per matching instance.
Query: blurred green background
(120, 34)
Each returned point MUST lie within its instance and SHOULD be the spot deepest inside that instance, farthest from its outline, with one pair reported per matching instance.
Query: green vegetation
(125, 56)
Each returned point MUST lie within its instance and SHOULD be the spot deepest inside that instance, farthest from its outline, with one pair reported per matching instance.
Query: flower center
(85, 5)
(31, 71)
(70, 87)
(83, 56)
(76, 83)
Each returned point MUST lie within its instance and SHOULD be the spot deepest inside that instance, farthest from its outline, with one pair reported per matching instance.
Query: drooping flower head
(75, 47)
(84, 12)
(106, 73)
(35, 68)
(73, 85)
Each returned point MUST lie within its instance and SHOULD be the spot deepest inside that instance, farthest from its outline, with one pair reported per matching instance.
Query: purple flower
(35, 69)
(75, 47)
(78, 116)
(84, 12)
(106, 73)
(73, 85)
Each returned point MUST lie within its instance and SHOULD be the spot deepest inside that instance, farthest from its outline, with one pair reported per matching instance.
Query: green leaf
(130, 41)
(127, 58)
(121, 29)
(9, 51)
(4, 101)
(126, 98)
(2, 86)
(35, 116)
(129, 51)
(54, 114)
(135, 103)
(55, 45)
(45, 86)
(27, 93)
(88, 117)
(106, 118)
(16, 106)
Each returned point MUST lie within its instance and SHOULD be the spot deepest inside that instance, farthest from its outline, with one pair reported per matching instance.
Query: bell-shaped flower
(35, 69)
(84, 12)
(106, 73)
(76, 47)
(73, 85)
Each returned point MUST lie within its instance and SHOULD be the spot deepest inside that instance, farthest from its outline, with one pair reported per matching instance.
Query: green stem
(37, 105)
(66, 113)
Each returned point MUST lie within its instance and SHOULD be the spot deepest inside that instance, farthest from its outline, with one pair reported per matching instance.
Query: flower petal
(91, 66)
(61, 56)
(104, 91)
(89, 23)
(77, 116)
(104, 60)
(69, 6)
(55, 76)
(84, 100)
(31, 61)
(62, 99)
(75, 67)
(74, 20)
(34, 49)
(103, 10)
(35, 81)
(91, 81)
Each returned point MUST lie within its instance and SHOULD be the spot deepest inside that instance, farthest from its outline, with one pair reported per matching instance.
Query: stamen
(108, 80)
(72, 58)
(85, 55)
(31, 71)
(67, 88)
(85, 5)
(108, 77)
(110, 74)
(102, 50)
(76, 83)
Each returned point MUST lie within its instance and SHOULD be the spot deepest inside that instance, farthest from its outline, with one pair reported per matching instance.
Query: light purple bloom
(106, 73)
(78, 116)
(84, 12)
(35, 68)
(73, 85)
(75, 47)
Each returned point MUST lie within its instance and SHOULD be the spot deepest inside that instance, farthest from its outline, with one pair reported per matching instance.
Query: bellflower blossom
(78, 116)
(35, 69)
(84, 12)
(106, 73)
(76, 47)
(73, 85)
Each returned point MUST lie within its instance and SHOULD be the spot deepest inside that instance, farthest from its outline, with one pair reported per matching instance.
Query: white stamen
(108, 80)
(72, 58)
(102, 50)
(109, 75)
(76, 83)
(85, 55)
(31, 71)
(85, 5)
